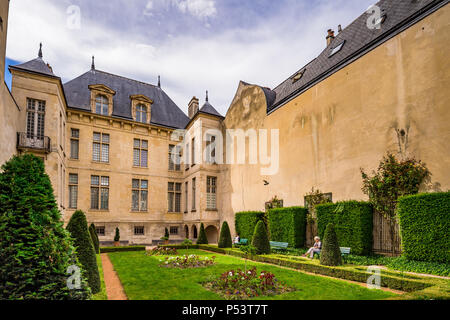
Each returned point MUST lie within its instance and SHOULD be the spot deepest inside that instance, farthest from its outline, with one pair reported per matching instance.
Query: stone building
(111, 144)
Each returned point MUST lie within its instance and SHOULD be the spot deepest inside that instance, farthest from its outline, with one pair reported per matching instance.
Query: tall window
(210, 149)
(74, 143)
(211, 193)
(73, 191)
(141, 113)
(101, 105)
(100, 147)
(99, 193)
(174, 158)
(174, 197)
(193, 193)
(35, 119)
(186, 199)
(139, 195)
(193, 152)
(187, 157)
(140, 153)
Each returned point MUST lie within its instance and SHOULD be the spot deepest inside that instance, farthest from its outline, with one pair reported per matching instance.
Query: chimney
(330, 36)
(193, 107)
(49, 66)
(339, 28)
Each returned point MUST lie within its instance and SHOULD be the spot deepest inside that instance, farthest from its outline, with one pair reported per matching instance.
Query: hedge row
(121, 249)
(245, 223)
(425, 226)
(288, 225)
(387, 280)
(353, 222)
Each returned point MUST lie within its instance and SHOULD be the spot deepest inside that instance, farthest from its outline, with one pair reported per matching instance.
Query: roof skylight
(337, 48)
(298, 76)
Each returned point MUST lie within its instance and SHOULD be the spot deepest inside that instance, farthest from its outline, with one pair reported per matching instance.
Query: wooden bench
(344, 252)
(242, 242)
(279, 245)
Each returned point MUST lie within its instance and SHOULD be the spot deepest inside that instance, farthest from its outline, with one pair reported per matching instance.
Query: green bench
(344, 252)
(279, 245)
(242, 242)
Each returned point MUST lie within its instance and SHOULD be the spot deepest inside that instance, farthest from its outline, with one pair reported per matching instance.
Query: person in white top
(316, 249)
(237, 239)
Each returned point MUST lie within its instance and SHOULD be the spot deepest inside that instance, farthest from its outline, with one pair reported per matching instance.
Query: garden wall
(353, 221)
(425, 226)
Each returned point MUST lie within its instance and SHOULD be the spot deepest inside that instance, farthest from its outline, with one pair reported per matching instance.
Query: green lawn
(102, 294)
(143, 279)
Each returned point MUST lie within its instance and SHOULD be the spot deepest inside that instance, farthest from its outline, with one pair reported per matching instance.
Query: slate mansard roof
(357, 38)
(164, 111)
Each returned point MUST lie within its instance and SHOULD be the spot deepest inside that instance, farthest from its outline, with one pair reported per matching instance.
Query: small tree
(202, 239)
(77, 227)
(393, 179)
(260, 239)
(35, 249)
(225, 236)
(166, 234)
(117, 236)
(330, 254)
(94, 237)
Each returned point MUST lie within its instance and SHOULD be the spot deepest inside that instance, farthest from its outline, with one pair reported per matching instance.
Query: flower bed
(185, 262)
(241, 285)
(162, 251)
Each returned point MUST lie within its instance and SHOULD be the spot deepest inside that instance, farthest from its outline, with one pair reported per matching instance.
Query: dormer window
(298, 76)
(141, 113)
(337, 48)
(101, 105)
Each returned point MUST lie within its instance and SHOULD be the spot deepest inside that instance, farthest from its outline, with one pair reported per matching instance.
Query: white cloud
(200, 9)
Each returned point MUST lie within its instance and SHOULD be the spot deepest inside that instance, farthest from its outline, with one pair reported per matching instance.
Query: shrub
(260, 239)
(425, 225)
(225, 236)
(353, 223)
(122, 249)
(245, 223)
(330, 254)
(117, 236)
(77, 227)
(35, 250)
(94, 238)
(202, 239)
(288, 225)
(166, 234)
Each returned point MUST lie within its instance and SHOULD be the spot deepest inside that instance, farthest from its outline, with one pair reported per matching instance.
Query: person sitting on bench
(316, 249)
(237, 240)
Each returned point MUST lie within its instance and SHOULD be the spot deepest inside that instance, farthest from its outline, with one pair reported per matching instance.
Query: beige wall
(349, 121)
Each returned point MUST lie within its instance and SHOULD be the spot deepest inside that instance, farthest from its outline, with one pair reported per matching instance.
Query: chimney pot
(330, 36)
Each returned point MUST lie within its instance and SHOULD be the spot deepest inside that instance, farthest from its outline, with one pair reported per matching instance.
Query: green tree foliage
(425, 225)
(393, 179)
(353, 221)
(225, 236)
(202, 239)
(288, 225)
(260, 239)
(117, 236)
(78, 228)
(330, 254)
(35, 249)
(166, 234)
(94, 237)
(245, 223)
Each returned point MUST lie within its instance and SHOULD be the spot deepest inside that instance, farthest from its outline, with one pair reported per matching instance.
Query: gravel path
(114, 289)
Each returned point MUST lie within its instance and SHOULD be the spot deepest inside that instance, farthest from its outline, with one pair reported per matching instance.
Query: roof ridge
(123, 77)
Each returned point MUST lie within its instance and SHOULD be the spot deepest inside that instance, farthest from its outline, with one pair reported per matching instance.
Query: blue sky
(195, 45)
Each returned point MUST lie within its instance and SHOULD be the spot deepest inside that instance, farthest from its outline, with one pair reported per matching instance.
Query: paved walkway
(114, 289)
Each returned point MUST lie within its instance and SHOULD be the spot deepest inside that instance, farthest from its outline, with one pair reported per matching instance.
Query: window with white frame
(141, 113)
(140, 153)
(139, 195)
(211, 193)
(210, 149)
(35, 119)
(100, 147)
(101, 105)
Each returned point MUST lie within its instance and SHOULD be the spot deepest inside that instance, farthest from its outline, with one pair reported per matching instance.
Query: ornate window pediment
(102, 99)
(141, 108)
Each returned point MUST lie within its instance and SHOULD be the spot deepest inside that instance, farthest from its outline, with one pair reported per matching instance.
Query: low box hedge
(288, 225)
(353, 222)
(121, 249)
(245, 223)
(425, 226)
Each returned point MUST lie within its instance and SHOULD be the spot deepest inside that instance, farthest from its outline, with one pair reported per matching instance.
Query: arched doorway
(194, 232)
(186, 231)
(212, 234)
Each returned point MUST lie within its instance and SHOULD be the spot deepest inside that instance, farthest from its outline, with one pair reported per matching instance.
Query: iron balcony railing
(34, 142)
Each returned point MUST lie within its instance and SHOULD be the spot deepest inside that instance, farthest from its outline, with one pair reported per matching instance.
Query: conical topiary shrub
(260, 239)
(330, 254)
(202, 239)
(117, 236)
(166, 234)
(225, 236)
(77, 227)
(94, 237)
(36, 252)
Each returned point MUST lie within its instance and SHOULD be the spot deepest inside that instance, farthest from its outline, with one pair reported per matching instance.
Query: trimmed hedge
(425, 226)
(122, 249)
(94, 237)
(225, 236)
(202, 238)
(245, 223)
(260, 239)
(353, 223)
(288, 225)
